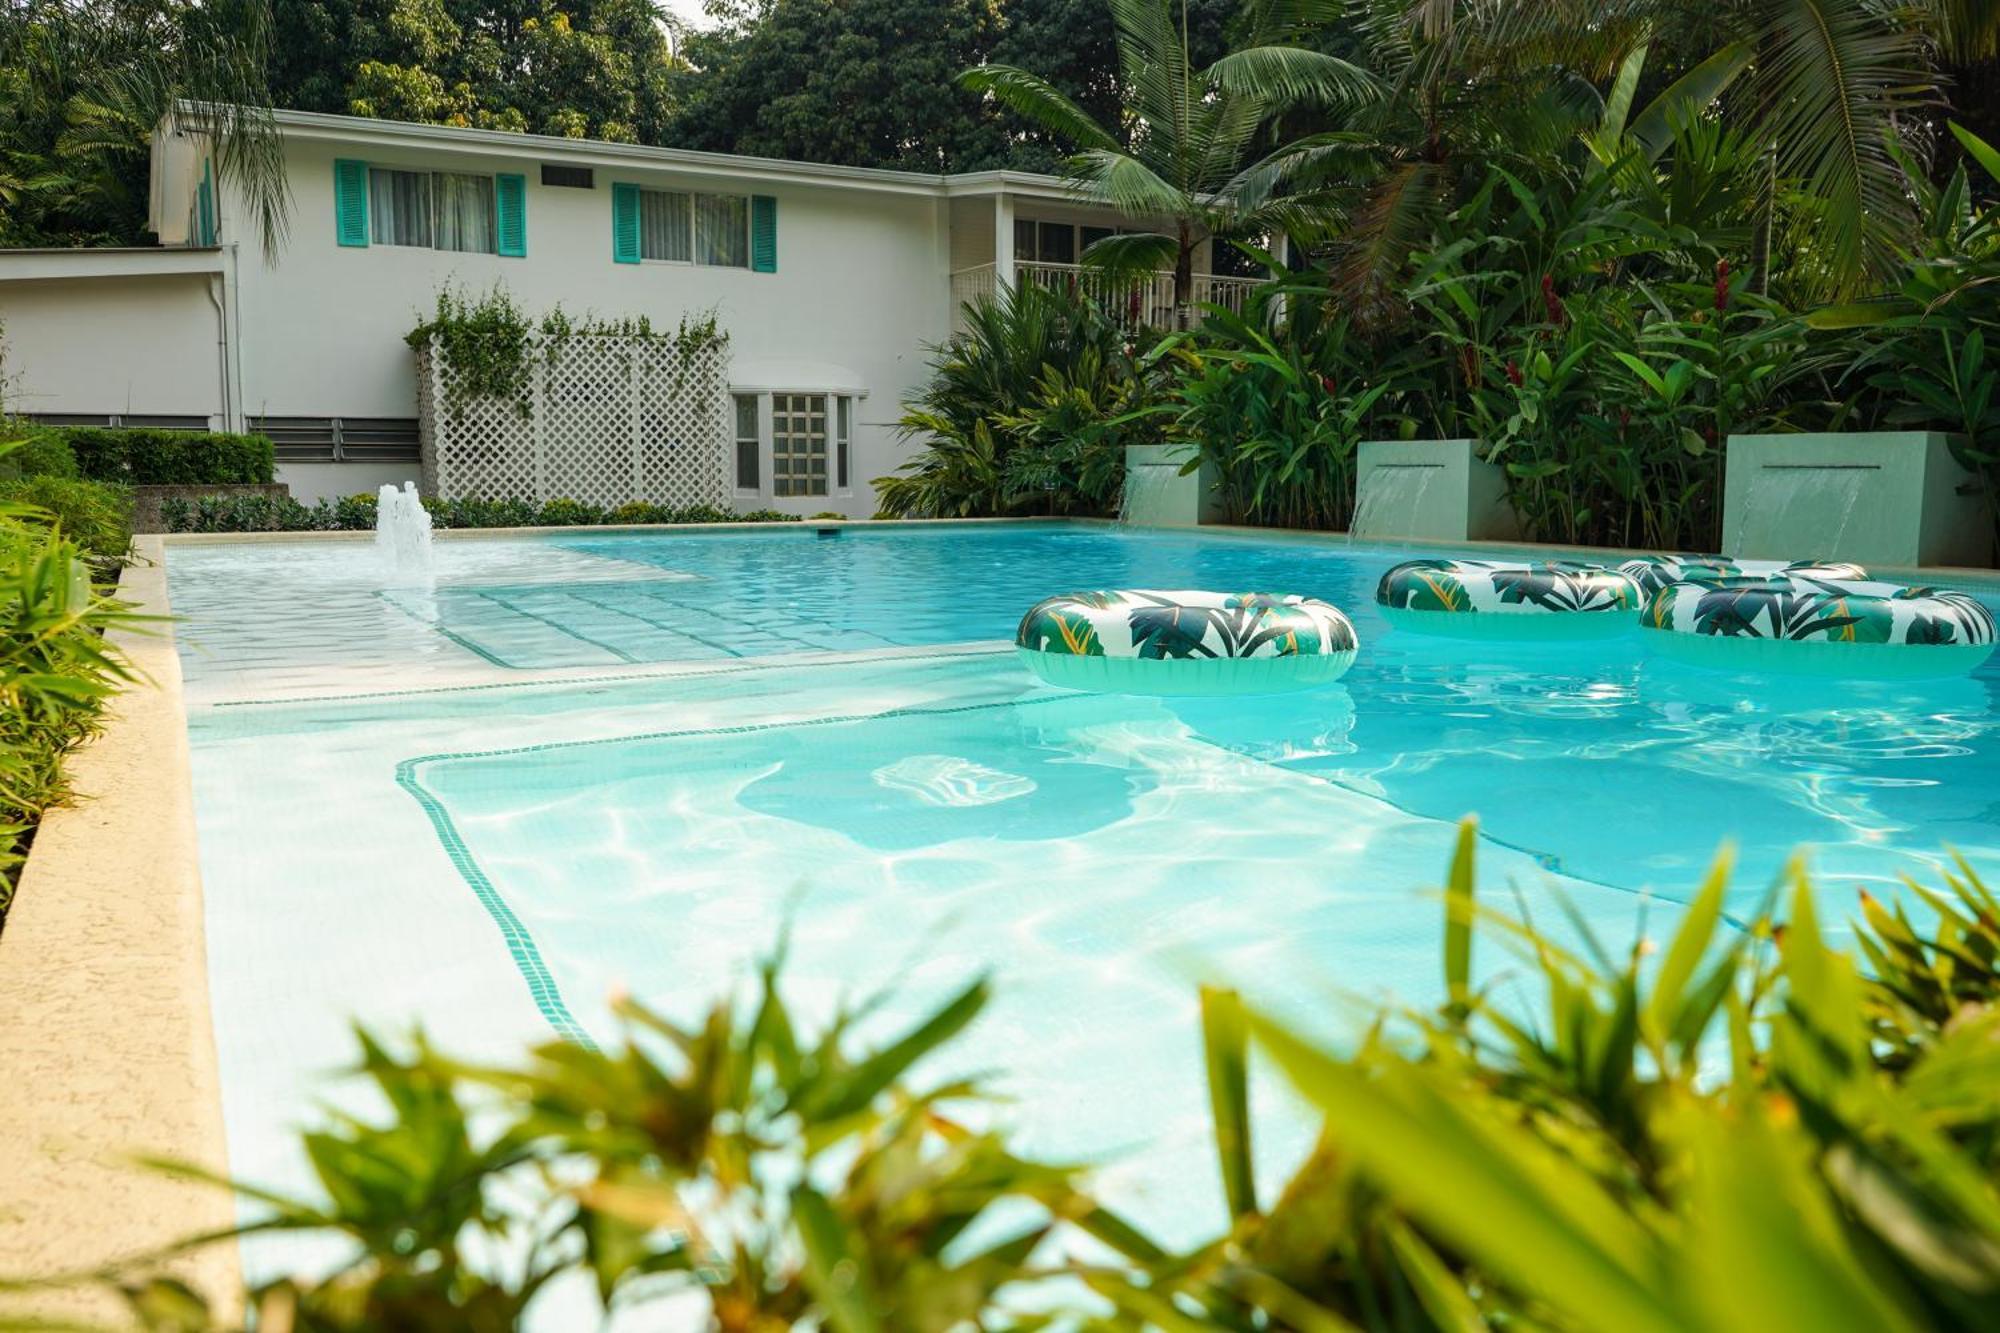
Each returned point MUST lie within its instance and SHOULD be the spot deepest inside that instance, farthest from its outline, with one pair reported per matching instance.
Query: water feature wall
(1430, 490)
(1891, 498)
(1157, 495)
(403, 535)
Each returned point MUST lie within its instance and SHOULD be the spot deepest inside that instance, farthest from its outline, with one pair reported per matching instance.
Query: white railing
(1144, 301)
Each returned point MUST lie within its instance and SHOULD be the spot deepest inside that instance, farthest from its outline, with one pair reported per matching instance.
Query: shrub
(147, 457)
(1027, 411)
(356, 513)
(96, 515)
(39, 453)
(1727, 1135)
(55, 672)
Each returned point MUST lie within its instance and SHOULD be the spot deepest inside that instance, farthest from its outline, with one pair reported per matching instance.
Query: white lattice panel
(601, 419)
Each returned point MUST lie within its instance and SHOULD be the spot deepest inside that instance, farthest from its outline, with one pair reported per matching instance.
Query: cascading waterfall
(403, 535)
(1390, 500)
(1802, 512)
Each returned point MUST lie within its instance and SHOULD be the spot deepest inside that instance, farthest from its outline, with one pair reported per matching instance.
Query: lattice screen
(603, 419)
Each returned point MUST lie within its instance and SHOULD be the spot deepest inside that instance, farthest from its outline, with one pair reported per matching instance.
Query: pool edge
(109, 1043)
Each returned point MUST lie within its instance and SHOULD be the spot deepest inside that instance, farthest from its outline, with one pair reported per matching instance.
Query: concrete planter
(146, 500)
(1892, 498)
(1431, 490)
(1157, 495)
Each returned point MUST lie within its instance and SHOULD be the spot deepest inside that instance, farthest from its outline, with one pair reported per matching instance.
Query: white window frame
(842, 410)
(694, 255)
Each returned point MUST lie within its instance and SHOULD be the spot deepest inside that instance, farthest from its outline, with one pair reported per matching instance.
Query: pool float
(1854, 628)
(1508, 599)
(1139, 641)
(1654, 572)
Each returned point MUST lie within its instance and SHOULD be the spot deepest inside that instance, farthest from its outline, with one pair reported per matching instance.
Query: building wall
(126, 344)
(860, 290)
(971, 232)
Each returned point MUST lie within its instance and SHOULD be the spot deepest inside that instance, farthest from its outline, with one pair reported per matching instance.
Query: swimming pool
(587, 760)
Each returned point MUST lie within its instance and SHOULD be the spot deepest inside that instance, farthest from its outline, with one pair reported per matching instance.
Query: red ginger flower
(1721, 285)
(1514, 373)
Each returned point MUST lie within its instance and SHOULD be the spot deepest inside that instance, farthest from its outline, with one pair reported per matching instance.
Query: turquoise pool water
(588, 760)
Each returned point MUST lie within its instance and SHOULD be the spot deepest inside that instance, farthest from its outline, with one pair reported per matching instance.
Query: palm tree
(1829, 87)
(1186, 150)
(83, 89)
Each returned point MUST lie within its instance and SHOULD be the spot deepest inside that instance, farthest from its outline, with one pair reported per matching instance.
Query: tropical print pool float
(1141, 641)
(1654, 572)
(1821, 626)
(1509, 599)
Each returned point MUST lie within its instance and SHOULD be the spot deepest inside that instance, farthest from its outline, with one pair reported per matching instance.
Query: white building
(832, 283)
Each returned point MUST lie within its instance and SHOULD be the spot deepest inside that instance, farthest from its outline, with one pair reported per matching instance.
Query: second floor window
(712, 229)
(441, 210)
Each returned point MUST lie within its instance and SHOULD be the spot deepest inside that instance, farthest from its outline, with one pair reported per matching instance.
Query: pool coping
(108, 1044)
(1987, 579)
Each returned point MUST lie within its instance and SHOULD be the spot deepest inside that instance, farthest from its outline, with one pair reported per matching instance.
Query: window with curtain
(712, 229)
(666, 223)
(399, 207)
(464, 207)
(722, 230)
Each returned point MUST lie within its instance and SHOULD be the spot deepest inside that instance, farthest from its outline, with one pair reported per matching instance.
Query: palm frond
(1127, 184)
(1040, 101)
(1831, 78)
(1282, 76)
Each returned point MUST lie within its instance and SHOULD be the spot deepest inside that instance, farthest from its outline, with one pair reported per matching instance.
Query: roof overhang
(360, 131)
(107, 262)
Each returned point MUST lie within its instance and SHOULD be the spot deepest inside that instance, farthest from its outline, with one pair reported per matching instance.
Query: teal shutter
(350, 201)
(205, 203)
(763, 233)
(510, 208)
(624, 224)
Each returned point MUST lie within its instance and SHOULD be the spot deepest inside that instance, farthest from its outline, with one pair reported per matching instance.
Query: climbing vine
(491, 344)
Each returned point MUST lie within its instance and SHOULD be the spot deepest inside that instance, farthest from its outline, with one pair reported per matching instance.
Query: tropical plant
(1188, 153)
(1027, 409)
(83, 88)
(1278, 412)
(1737, 1129)
(55, 668)
(267, 513)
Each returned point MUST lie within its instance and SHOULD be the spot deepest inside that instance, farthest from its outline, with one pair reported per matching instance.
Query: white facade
(869, 269)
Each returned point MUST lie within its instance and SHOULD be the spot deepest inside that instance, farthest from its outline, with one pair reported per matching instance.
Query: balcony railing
(1144, 301)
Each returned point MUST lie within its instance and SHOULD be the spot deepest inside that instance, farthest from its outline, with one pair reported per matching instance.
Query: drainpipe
(217, 286)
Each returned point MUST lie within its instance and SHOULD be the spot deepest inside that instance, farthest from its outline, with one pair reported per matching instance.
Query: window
(1054, 242)
(573, 178)
(798, 444)
(711, 229)
(747, 441)
(464, 206)
(841, 435)
(438, 210)
(399, 207)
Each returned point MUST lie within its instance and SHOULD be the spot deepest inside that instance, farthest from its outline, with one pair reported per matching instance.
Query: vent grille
(154, 422)
(341, 439)
(575, 178)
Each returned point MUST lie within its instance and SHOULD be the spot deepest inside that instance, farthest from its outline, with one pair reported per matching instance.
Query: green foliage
(1279, 416)
(1027, 411)
(356, 513)
(142, 456)
(37, 453)
(55, 668)
(95, 515)
(583, 69)
(492, 345)
(82, 88)
(1739, 1130)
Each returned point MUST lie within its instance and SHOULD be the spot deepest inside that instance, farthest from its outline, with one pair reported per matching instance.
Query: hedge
(96, 515)
(263, 513)
(147, 457)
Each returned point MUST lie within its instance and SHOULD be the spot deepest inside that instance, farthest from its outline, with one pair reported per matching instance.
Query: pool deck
(108, 1048)
(108, 1044)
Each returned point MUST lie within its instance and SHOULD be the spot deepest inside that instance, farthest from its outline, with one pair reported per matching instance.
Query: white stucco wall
(860, 290)
(126, 343)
